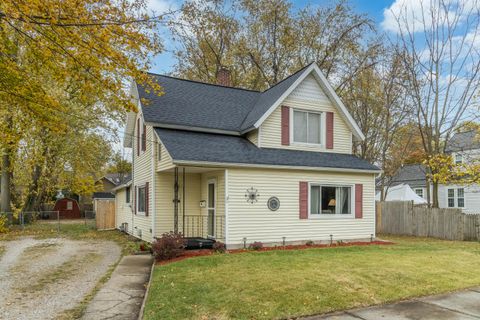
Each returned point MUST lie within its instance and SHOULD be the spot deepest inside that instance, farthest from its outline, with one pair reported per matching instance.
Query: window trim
(137, 202)
(455, 198)
(323, 128)
(314, 216)
(423, 192)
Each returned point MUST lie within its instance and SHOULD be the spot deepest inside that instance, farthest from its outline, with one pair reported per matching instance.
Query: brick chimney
(223, 77)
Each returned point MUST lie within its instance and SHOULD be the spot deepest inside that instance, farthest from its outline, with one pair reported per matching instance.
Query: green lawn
(281, 284)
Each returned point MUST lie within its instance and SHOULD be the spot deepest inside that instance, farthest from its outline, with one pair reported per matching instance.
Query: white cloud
(414, 15)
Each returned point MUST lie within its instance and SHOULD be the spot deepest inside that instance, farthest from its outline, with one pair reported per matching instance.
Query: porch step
(198, 243)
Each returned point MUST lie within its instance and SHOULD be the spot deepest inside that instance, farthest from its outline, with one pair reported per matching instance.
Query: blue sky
(164, 62)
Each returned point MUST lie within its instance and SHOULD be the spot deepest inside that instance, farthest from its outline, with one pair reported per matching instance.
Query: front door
(211, 204)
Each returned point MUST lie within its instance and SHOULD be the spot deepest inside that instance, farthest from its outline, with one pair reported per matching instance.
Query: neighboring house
(464, 148)
(241, 166)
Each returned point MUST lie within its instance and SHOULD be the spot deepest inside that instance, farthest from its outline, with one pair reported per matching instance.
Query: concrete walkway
(122, 296)
(462, 305)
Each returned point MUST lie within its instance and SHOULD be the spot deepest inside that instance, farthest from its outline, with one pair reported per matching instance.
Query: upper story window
(307, 127)
(159, 152)
(330, 200)
(458, 158)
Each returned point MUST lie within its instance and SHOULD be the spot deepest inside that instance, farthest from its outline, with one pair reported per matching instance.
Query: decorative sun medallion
(252, 195)
(273, 203)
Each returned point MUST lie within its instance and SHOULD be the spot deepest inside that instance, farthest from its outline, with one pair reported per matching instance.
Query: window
(419, 192)
(307, 127)
(144, 137)
(127, 195)
(458, 158)
(141, 199)
(456, 198)
(159, 152)
(69, 205)
(330, 200)
(460, 198)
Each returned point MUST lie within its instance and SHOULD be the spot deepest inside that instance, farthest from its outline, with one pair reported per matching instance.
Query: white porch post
(226, 207)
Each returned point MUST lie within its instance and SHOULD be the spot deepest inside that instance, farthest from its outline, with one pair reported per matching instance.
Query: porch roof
(225, 149)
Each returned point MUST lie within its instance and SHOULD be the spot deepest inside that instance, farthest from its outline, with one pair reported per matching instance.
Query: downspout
(153, 164)
(183, 204)
(226, 207)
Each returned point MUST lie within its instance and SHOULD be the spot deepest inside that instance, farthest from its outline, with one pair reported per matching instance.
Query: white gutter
(226, 206)
(247, 165)
(191, 128)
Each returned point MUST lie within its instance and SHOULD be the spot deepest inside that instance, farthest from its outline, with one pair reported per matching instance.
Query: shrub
(170, 245)
(257, 245)
(309, 243)
(3, 224)
(219, 247)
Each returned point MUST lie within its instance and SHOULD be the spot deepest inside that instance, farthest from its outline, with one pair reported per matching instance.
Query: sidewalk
(462, 305)
(122, 296)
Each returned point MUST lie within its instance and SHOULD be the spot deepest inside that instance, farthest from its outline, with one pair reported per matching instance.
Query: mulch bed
(207, 252)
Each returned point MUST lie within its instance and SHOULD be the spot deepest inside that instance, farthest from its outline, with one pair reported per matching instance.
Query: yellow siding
(257, 223)
(166, 161)
(142, 173)
(253, 137)
(307, 96)
(164, 199)
(123, 210)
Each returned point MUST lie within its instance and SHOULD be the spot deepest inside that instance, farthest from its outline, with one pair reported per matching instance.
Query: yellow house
(238, 166)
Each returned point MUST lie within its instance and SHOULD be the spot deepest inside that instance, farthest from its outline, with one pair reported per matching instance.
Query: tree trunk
(6, 182)
(435, 194)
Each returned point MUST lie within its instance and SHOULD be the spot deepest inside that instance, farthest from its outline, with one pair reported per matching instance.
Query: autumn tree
(443, 65)
(262, 42)
(54, 54)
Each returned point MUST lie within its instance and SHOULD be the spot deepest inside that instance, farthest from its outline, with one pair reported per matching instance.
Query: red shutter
(329, 142)
(303, 196)
(285, 126)
(138, 137)
(147, 197)
(135, 200)
(358, 201)
(144, 138)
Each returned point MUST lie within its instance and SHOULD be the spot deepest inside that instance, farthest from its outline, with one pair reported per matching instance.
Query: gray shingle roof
(202, 105)
(464, 141)
(217, 148)
(411, 174)
(103, 195)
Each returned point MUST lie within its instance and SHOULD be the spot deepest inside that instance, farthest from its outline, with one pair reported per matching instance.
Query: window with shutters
(307, 127)
(141, 199)
(331, 200)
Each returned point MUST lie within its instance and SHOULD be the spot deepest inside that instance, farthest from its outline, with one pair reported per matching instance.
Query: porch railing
(202, 226)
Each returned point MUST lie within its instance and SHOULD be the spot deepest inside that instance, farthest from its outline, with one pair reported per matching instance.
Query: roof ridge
(201, 82)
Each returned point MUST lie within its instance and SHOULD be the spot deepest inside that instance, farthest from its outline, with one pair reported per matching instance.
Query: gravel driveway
(40, 279)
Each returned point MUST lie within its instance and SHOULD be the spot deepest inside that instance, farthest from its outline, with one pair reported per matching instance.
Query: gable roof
(186, 147)
(193, 105)
(412, 174)
(464, 141)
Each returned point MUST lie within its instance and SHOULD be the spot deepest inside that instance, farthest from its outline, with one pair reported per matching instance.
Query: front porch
(191, 201)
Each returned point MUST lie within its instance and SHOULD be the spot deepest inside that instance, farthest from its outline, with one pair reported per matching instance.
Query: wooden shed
(68, 208)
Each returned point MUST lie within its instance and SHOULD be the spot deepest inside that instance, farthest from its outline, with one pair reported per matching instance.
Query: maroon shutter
(303, 196)
(358, 201)
(329, 142)
(138, 137)
(135, 200)
(147, 197)
(144, 138)
(285, 125)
